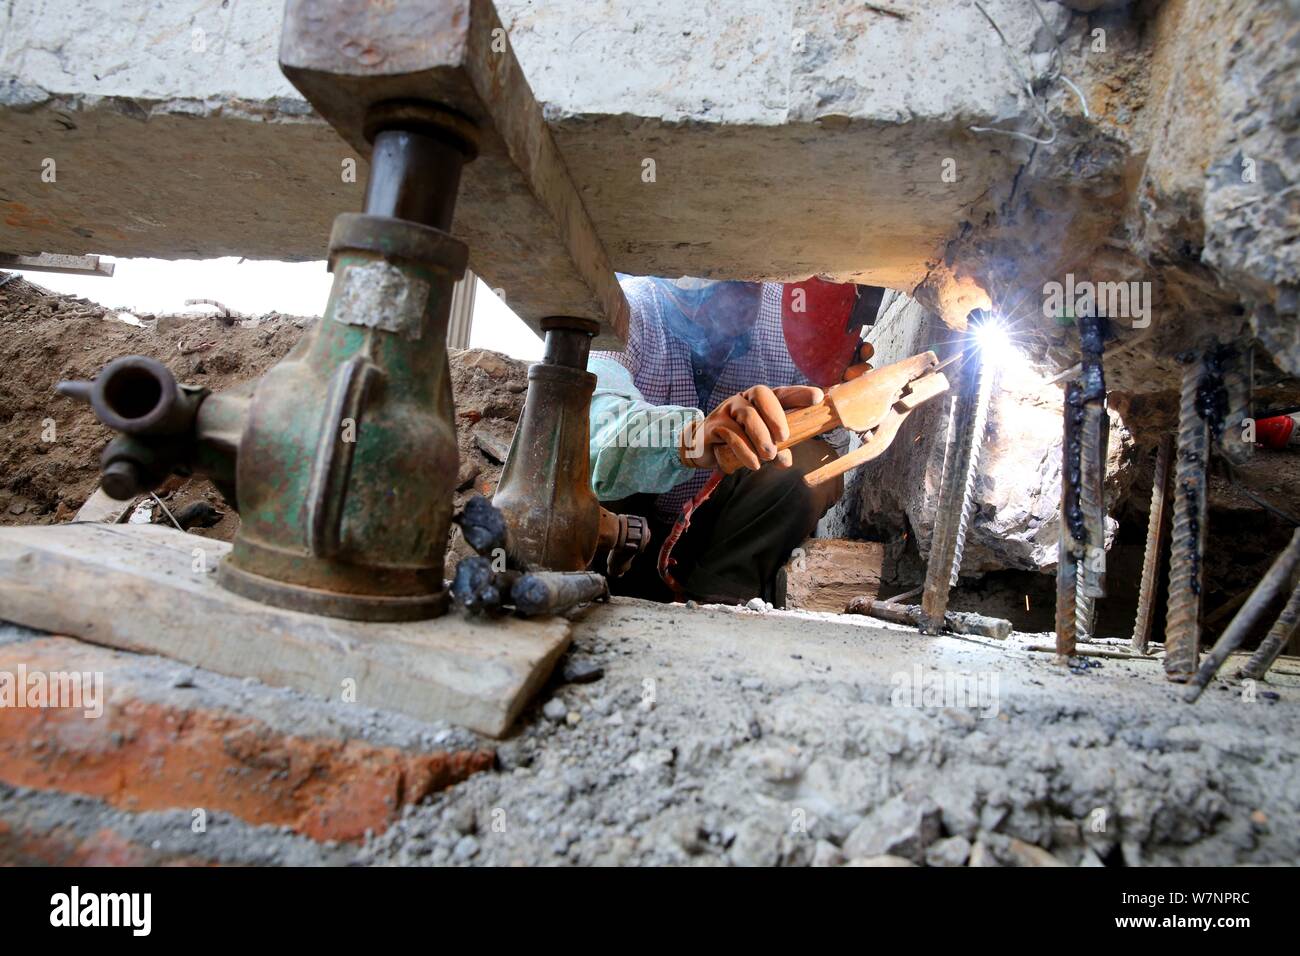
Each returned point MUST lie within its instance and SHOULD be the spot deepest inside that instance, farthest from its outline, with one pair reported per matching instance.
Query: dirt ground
(50, 445)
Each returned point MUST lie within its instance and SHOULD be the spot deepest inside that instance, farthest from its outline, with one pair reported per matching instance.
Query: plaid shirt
(661, 369)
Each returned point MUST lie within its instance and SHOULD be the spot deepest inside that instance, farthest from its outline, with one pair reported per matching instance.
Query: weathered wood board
(826, 573)
(152, 589)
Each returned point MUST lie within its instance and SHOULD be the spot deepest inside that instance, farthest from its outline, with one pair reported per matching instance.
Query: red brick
(145, 755)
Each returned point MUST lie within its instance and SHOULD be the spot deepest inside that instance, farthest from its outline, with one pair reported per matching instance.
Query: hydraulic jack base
(342, 459)
(545, 493)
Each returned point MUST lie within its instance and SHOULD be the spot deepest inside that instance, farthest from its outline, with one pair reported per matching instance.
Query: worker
(695, 345)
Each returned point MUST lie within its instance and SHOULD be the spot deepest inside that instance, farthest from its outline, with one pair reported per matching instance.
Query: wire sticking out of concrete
(1023, 75)
(166, 511)
(1057, 73)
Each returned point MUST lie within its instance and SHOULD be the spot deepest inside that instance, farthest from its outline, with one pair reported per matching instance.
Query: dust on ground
(681, 736)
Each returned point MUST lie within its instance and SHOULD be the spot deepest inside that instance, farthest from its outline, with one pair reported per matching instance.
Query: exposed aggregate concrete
(767, 739)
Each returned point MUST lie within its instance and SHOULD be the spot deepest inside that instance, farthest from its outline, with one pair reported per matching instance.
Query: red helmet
(822, 322)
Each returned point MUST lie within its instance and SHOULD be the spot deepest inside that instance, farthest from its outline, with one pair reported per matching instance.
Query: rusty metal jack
(554, 519)
(341, 459)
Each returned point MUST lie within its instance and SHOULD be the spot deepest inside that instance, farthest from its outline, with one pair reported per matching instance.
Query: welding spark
(994, 342)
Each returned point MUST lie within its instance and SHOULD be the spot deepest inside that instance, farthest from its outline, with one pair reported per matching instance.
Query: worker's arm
(634, 445)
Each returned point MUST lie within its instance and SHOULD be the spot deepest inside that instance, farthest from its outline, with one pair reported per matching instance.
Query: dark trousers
(740, 539)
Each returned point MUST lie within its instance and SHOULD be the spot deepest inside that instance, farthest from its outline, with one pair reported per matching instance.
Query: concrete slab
(152, 589)
(771, 139)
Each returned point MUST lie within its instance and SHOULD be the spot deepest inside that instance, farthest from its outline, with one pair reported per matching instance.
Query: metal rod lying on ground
(905, 596)
(1272, 584)
(552, 592)
(912, 615)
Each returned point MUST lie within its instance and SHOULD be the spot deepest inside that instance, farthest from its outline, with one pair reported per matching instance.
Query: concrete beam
(772, 139)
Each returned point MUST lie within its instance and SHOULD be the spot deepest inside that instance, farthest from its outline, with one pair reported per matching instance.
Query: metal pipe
(414, 176)
(138, 395)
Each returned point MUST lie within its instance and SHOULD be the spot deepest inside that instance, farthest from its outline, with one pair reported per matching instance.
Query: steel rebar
(1155, 544)
(1183, 625)
(1094, 441)
(1270, 586)
(968, 415)
(1071, 531)
(1283, 629)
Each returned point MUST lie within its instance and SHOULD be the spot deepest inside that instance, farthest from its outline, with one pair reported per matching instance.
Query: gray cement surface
(725, 736)
(714, 736)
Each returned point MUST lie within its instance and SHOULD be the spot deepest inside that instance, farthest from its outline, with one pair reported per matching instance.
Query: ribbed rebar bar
(1071, 524)
(1183, 624)
(1273, 583)
(1238, 386)
(1155, 540)
(1283, 629)
(968, 415)
(1092, 500)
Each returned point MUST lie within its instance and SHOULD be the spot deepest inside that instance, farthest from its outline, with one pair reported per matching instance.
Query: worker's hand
(860, 364)
(750, 424)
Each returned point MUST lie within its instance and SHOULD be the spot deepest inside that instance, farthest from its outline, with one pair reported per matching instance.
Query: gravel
(807, 759)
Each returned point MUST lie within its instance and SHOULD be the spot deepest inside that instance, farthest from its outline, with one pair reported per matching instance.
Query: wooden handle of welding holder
(817, 419)
(805, 423)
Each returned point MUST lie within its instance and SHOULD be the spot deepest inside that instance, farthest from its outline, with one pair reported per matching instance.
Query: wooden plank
(826, 573)
(153, 589)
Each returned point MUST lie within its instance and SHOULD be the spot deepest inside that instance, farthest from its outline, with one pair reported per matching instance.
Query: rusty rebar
(1094, 439)
(968, 416)
(1283, 629)
(1237, 368)
(1092, 501)
(1270, 586)
(1186, 573)
(1155, 543)
(1071, 530)
(958, 622)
